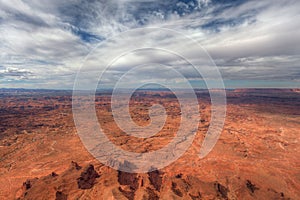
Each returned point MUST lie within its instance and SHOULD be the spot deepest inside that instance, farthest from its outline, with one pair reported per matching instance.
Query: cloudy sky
(43, 43)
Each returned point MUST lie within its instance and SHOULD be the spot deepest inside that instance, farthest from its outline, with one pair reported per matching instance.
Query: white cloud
(49, 39)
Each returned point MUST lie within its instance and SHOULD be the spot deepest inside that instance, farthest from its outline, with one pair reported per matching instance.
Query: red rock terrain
(256, 157)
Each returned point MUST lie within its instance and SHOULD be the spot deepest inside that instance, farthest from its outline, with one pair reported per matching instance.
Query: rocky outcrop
(251, 187)
(155, 178)
(87, 178)
(58, 186)
(221, 190)
(60, 196)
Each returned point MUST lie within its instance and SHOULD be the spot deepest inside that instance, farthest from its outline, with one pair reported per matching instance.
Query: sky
(43, 44)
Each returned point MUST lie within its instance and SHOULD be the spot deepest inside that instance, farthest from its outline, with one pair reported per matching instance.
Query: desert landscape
(256, 156)
(149, 100)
